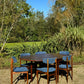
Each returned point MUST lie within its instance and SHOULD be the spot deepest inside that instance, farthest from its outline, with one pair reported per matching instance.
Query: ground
(78, 77)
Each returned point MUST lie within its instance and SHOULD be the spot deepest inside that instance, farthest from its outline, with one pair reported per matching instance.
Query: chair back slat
(50, 60)
(65, 58)
(41, 52)
(64, 52)
(24, 54)
(14, 59)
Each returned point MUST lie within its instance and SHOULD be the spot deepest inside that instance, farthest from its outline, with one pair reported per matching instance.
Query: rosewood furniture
(39, 58)
(49, 71)
(40, 63)
(26, 64)
(17, 70)
(68, 66)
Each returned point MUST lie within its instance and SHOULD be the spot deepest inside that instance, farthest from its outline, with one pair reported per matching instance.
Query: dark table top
(41, 56)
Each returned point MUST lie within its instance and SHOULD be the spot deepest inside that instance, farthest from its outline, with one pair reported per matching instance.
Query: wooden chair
(63, 53)
(26, 64)
(30, 66)
(68, 66)
(39, 53)
(49, 71)
(17, 70)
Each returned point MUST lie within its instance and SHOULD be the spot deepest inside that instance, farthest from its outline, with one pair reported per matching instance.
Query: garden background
(24, 30)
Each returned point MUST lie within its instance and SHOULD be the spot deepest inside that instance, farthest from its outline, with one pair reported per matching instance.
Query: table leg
(31, 71)
(58, 71)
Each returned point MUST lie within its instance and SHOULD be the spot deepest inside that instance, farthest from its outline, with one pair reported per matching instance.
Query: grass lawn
(8, 45)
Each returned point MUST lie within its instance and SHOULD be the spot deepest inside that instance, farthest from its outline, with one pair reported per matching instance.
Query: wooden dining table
(40, 57)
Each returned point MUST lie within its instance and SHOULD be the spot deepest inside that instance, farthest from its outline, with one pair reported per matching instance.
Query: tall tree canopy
(68, 12)
(11, 12)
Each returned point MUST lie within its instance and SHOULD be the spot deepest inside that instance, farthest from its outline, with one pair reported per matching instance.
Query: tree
(68, 12)
(10, 13)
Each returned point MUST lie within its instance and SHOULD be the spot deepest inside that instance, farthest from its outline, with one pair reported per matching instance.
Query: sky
(40, 5)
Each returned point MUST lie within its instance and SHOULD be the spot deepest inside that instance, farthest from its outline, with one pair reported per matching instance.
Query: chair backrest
(68, 60)
(50, 60)
(14, 59)
(64, 52)
(65, 58)
(25, 54)
(41, 52)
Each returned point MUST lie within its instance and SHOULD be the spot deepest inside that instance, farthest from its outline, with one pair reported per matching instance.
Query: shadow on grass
(24, 77)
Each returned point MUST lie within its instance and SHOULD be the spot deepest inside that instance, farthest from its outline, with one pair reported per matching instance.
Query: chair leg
(37, 77)
(67, 76)
(11, 78)
(57, 72)
(27, 77)
(31, 72)
(57, 76)
(47, 78)
(61, 73)
(72, 74)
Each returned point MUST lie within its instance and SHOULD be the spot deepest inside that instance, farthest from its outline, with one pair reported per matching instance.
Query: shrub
(15, 49)
(71, 39)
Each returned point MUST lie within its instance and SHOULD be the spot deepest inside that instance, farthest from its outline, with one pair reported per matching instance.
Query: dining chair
(63, 53)
(30, 66)
(49, 71)
(26, 64)
(17, 70)
(68, 66)
(39, 53)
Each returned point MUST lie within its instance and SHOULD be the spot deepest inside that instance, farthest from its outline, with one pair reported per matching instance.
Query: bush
(15, 49)
(72, 39)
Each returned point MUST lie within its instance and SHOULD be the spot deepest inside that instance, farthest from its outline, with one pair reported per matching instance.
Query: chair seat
(44, 69)
(25, 65)
(20, 69)
(64, 66)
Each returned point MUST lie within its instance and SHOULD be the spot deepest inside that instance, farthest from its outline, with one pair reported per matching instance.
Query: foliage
(34, 28)
(10, 14)
(15, 49)
(20, 24)
(72, 39)
(68, 13)
(61, 30)
(78, 59)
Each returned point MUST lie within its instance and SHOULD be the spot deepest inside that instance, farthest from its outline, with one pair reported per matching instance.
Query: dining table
(39, 58)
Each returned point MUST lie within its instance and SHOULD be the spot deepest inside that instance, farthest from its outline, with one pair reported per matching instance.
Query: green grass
(6, 62)
(78, 59)
(5, 57)
(9, 45)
